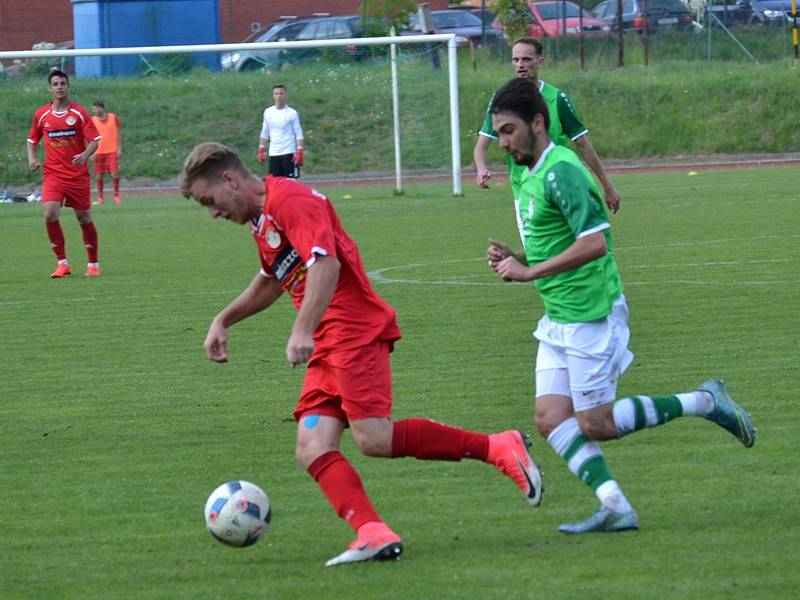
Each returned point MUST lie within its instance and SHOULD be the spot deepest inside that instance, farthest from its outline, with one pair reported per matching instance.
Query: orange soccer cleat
(508, 452)
(92, 271)
(101, 199)
(117, 199)
(375, 542)
(62, 270)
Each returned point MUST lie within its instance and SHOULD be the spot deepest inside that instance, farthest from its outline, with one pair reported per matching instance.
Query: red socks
(99, 182)
(89, 240)
(428, 440)
(56, 236)
(421, 438)
(116, 186)
(342, 487)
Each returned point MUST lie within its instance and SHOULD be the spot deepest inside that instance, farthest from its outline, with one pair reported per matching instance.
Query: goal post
(417, 145)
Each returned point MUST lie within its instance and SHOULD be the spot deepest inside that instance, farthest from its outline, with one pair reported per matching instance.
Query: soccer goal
(372, 109)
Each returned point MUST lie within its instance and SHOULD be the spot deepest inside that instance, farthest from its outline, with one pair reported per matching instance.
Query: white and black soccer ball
(238, 513)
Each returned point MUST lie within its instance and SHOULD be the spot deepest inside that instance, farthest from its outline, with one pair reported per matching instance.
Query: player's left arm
(321, 281)
(298, 130)
(298, 136)
(589, 155)
(119, 136)
(82, 157)
(576, 131)
(92, 137)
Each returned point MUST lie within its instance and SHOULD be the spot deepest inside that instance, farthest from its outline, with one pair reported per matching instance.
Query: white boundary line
(379, 275)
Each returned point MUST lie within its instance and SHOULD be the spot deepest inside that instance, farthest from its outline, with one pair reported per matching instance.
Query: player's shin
(585, 460)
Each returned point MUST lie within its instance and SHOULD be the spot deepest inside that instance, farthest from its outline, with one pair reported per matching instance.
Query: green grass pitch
(116, 427)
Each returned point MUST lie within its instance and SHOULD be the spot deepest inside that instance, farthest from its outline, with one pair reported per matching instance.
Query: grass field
(116, 427)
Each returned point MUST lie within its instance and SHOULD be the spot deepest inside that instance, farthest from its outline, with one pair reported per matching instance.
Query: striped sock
(585, 459)
(638, 412)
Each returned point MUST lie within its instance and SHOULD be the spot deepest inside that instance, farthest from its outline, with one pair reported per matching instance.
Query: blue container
(131, 23)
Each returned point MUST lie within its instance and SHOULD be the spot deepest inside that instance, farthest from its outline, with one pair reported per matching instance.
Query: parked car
(484, 14)
(465, 25)
(728, 14)
(333, 28)
(252, 60)
(662, 14)
(553, 19)
(769, 12)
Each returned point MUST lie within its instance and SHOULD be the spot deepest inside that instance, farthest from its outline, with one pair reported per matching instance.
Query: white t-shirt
(282, 128)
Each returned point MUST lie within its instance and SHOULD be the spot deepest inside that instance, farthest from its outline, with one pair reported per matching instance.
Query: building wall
(25, 22)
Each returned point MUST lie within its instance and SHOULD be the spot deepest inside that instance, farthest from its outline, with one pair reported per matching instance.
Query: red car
(558, 17)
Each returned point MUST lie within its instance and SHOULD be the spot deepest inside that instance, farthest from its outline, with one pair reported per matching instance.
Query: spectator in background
(281, 130)
(106, 160)
(565, 125)
(66, 128)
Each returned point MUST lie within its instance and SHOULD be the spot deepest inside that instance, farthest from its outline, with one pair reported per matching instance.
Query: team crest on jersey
(273, 238)
(70, 120)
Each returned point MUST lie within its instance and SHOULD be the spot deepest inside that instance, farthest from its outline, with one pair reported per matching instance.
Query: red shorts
(74, 193)
(349, 385)
(106, 163)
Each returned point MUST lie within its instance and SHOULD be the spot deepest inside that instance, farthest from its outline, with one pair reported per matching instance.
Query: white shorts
(583, 360)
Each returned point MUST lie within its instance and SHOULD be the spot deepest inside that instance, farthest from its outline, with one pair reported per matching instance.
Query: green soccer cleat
(603, 520)
(727, 414)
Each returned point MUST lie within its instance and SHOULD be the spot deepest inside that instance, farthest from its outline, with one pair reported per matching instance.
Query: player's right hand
(34, 164)
(216, 344)
(483, 177)
(262, 154)
(299, 348)
(497, 251)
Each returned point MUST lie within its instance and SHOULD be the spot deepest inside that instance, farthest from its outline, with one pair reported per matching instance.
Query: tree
(386, 13)
(514, 15)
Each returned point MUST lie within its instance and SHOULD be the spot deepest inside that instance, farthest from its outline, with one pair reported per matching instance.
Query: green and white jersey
(557, 202)
(565, 124)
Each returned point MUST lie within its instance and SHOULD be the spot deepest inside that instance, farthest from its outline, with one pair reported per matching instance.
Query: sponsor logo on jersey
(287, 261)
(59, 133)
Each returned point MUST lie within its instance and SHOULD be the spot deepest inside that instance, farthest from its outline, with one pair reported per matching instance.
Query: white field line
(379, 275)
(127, 297)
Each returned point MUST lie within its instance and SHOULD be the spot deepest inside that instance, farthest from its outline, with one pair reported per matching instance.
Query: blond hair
(206, 161)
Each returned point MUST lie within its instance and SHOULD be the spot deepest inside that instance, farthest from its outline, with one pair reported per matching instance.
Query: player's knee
(543, 422)
(307, 452)
(596, 428)
(548, 418)
(371, 445)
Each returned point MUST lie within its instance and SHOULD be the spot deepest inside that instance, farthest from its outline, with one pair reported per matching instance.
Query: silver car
(256, 60)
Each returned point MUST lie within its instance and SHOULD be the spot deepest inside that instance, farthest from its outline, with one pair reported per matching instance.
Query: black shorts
(283, 166)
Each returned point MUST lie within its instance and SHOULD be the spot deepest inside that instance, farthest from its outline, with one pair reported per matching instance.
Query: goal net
(371, 108)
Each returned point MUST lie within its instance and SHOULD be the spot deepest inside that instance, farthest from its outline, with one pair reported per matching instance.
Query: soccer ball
(237, 513)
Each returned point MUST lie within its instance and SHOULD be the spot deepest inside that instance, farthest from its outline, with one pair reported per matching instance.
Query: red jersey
(65, 134)
(297, 225)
